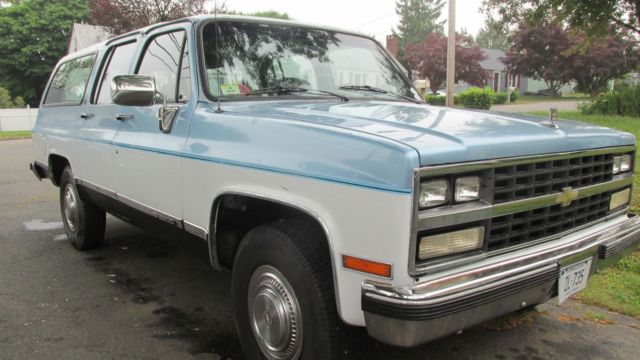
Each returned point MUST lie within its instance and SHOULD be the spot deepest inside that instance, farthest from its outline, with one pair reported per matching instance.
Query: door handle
(123, 117)
(86, 116)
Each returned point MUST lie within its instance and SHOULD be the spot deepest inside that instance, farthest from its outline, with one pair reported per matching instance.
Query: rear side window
(118, 62)
(163, 60)
(70, 81)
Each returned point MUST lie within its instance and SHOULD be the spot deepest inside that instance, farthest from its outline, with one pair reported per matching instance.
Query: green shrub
(440, 100)
(435, 99)
(499, 97)
(625, 102)
(19, 102)
(476, 98)
(5, 98)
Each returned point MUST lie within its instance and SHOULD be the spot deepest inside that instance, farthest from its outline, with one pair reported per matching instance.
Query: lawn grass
(618, 287)
(10, 135)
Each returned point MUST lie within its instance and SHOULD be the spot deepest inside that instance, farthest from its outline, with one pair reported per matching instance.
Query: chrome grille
(522, 181)
(526, 226)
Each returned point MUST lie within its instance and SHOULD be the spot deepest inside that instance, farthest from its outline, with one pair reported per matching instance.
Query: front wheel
(282, 294)
(83, 222)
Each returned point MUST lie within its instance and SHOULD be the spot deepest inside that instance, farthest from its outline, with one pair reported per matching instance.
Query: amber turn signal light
(366, 266)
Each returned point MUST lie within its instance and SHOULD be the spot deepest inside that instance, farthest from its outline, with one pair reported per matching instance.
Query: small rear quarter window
(70, 81)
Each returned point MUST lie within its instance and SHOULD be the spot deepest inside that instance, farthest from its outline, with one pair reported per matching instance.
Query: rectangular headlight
(621, 163)
(467, 188)
(433, 193)
(625, 163)
(450, 243)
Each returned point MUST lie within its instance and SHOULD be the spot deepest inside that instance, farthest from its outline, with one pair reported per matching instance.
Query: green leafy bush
(19, 102)
(514, 96)
(5, 98)
(440, 100)
(625, 102)
(476, 98)
(499, 97)
(435, 99)
(6, 102)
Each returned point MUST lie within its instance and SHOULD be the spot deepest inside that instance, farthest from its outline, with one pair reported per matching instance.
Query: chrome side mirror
(140, 90)
(133, 90)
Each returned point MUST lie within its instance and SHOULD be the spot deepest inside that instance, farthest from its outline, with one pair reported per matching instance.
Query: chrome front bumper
(443, 303)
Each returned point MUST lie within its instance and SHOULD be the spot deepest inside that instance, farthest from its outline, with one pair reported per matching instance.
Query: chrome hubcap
(275, 314)
(70, 208)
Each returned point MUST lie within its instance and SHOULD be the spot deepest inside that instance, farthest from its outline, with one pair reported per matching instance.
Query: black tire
(297, 251)
(85, 225)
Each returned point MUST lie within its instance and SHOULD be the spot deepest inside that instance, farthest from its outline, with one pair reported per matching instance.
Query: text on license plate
(573, 278)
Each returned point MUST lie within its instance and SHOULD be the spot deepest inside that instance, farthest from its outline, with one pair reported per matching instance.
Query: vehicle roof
(198, 19)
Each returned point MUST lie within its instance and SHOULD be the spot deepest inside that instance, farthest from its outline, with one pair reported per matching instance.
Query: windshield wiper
(378, 90)
(292, 89)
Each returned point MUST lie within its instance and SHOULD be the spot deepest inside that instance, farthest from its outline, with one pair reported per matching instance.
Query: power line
(373, 21)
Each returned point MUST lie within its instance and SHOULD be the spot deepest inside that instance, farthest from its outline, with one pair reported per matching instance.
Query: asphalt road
(143, 296)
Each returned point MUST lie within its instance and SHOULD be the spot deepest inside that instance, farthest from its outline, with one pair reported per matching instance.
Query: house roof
(85, 35)
(493, 61)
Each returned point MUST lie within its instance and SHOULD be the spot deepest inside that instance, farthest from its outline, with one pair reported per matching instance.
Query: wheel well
(57, 164)
(233, 216)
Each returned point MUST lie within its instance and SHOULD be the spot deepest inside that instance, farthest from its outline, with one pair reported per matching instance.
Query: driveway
(564, 105)
(143, 296)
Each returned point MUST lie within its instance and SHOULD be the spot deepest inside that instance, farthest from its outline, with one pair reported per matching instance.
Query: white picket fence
(17, 119)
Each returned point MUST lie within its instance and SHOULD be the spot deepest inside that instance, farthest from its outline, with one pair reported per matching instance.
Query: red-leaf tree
(544, 53)
(429, 58)
(604, 60)
(121, 16)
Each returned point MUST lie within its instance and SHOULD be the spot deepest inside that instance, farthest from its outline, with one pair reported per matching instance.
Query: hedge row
(475, 98)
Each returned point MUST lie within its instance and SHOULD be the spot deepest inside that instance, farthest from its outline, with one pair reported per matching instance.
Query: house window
(513, 81)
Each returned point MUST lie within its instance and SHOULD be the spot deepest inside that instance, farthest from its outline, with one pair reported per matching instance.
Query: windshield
(254, 57)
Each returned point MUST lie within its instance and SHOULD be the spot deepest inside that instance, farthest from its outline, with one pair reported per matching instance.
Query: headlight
(450, 243)
(433, 193)
(621, 163)
(467, 188)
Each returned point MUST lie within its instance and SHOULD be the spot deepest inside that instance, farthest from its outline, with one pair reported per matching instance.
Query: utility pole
(451, 52)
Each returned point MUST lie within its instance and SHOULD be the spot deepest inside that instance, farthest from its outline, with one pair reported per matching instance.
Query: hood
(443, 135)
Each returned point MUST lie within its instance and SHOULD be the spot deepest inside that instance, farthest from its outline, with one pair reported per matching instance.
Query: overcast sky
(372, 17)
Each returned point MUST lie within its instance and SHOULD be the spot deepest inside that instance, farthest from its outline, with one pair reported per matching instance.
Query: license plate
(573, 278)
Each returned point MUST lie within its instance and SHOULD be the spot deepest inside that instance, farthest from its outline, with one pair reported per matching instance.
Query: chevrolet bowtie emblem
(566, 197)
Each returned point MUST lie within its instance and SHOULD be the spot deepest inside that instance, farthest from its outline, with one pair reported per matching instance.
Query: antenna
(215, 42)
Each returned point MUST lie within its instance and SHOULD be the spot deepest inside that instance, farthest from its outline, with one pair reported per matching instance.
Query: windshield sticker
(230, 89)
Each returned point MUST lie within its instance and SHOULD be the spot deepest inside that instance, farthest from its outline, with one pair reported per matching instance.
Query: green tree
(272, 14)
(493, 35)
(595, 17)
(34, 34)
(417, 19)
(266, 14)
(18, 102)
(5, 99)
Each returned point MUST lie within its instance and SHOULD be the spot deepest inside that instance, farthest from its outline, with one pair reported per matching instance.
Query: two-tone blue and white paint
(348, 165)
